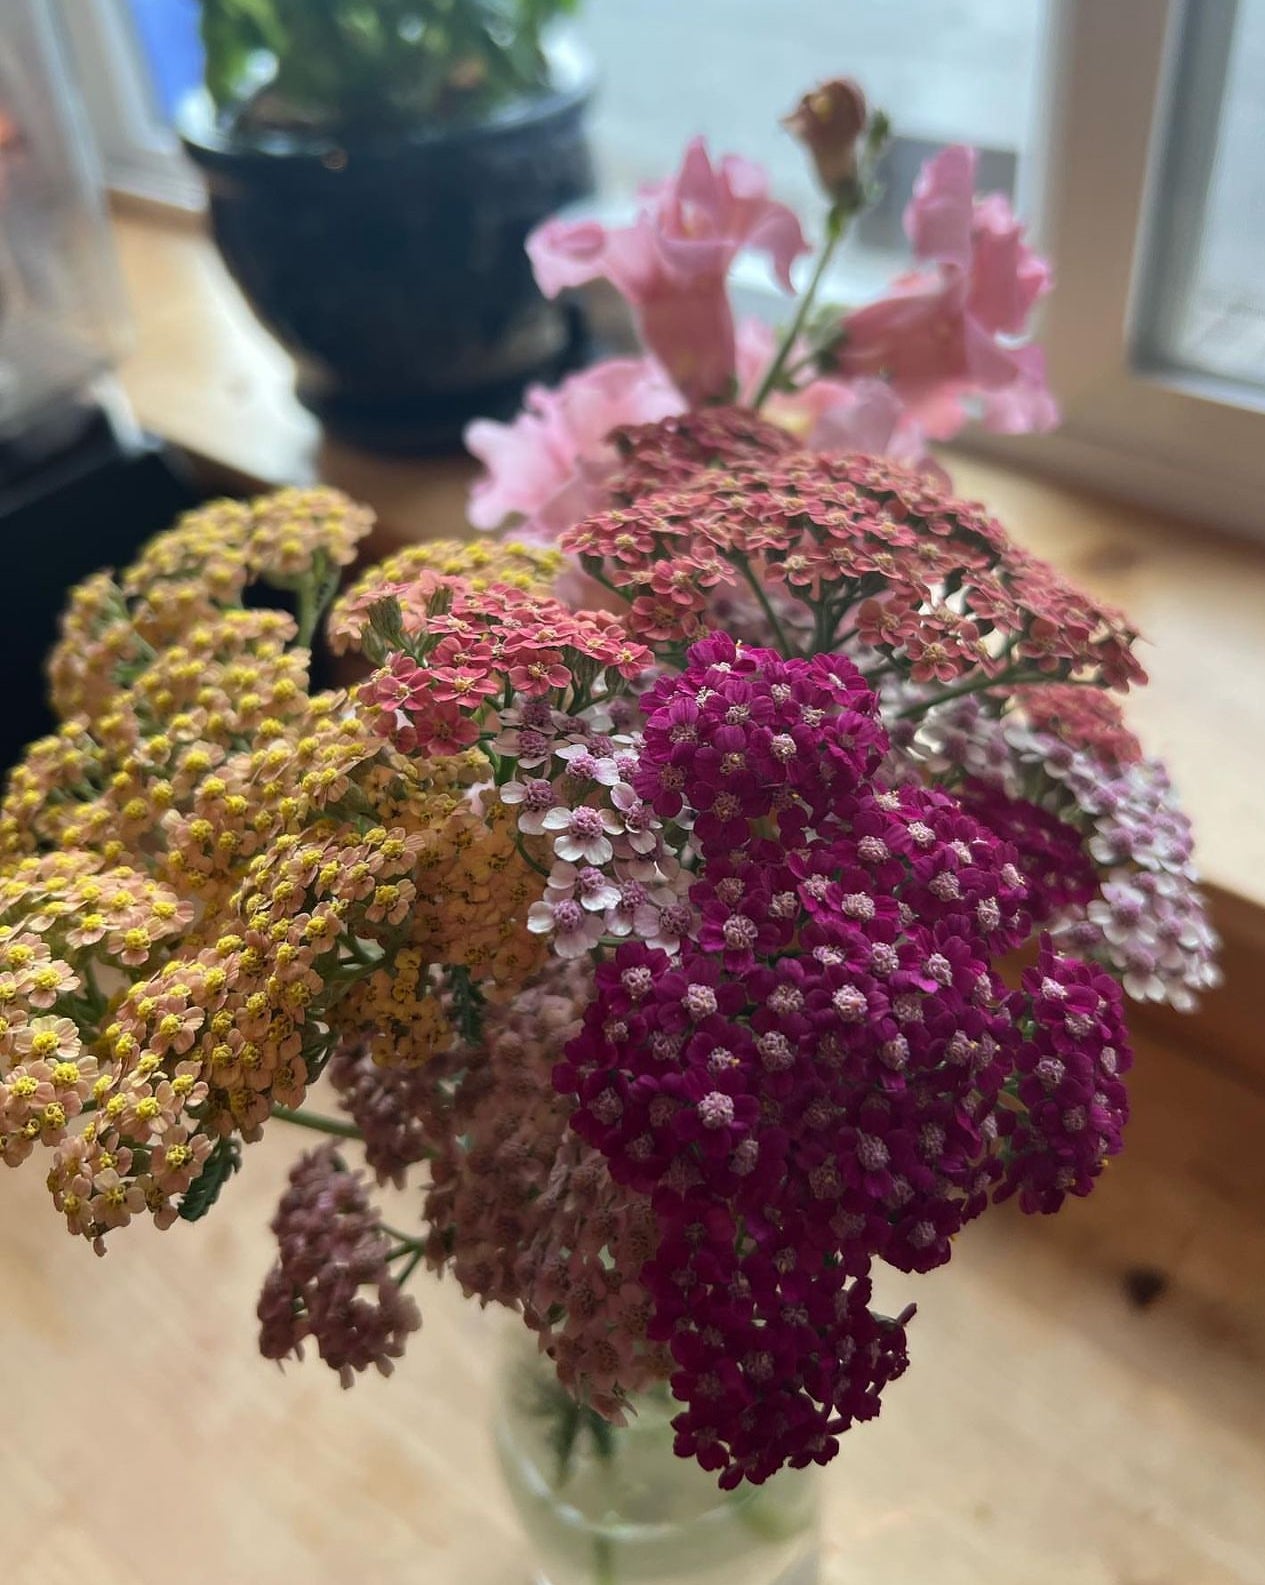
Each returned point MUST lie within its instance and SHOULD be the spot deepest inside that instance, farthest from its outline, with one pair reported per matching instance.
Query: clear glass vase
(606, 1505)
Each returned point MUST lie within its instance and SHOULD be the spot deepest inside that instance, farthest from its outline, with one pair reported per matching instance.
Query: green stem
(406, 1240)
(526, 856)
(603, 1545)
(783, 643)
(410, 1266)
(603, 1560)
(309, 613)
(321, 1125)
(314, 594)
(802, 365)
(592, 569)
(1009, 679)
(836, 225)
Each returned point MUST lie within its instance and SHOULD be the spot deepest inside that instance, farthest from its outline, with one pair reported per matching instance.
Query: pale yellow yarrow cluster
(210, 877)
(69, 926)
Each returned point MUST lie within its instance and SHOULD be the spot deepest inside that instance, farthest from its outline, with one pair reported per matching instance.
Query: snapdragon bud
(829, 121)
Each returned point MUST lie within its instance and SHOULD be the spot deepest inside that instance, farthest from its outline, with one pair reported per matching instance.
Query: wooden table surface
(1086, 1403)
(1050, 1431)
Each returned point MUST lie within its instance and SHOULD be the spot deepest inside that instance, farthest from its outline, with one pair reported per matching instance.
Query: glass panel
(960, 72)
(168, 31)
(1204, 306)
(60, 303)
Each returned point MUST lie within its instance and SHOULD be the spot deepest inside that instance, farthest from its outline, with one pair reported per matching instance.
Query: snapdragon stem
(836, 225)
(302, 1118)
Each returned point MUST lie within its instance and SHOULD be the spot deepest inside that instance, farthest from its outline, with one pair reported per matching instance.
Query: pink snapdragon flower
(830, 414)
(548, 466)
(671, 263)
(942, 336)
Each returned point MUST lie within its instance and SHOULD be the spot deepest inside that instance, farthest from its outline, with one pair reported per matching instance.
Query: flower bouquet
(728, 885)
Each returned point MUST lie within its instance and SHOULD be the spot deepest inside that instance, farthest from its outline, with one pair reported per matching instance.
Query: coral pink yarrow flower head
(671, 263)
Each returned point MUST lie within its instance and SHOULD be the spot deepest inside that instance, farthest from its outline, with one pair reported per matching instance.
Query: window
(168, 35)
(967, 72)
(1142, 100)
(1126, 129)
(135, 60)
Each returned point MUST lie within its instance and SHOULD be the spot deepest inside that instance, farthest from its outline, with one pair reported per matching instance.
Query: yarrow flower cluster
(332, 1282)
(644, 903)
(932, 584)
(815, 1084)
(1104, 843)
(212, 878)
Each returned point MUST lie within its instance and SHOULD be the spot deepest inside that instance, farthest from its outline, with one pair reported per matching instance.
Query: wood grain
(1050, 1428)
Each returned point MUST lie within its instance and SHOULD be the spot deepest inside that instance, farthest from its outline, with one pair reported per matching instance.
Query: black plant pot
(391, 266)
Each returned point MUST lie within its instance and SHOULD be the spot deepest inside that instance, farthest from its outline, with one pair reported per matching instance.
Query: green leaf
(221, 1164)
(233, 31)
(343, 62)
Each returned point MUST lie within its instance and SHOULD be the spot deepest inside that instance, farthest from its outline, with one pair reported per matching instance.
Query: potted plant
(373, 171)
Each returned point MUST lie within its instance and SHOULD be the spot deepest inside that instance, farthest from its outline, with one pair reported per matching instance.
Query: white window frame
(1182, 443)
(140, 154)
(1175, 441)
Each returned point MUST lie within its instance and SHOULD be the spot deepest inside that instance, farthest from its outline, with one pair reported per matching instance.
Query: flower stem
(314, 594)
(410, 1266)
(836, 225)
(603, 1560)
(321, 1125)
(783, 643)
(1010, 679)
(405, 1240)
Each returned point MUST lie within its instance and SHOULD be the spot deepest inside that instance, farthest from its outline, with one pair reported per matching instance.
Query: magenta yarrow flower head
(826, 1056)
(1068, 1081)
(741, 732)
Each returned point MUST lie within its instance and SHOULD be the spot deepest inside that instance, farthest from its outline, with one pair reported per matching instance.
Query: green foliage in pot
(336, 64)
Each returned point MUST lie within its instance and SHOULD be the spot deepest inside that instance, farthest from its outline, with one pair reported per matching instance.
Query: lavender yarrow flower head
(1063, 757)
